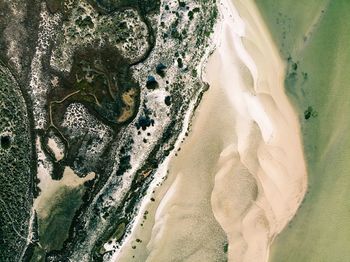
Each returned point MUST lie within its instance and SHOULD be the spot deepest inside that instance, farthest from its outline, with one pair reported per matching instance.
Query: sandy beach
(240, 175)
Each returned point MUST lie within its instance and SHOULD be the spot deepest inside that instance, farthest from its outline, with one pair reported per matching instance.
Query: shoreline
(223, 184)
(283, 131)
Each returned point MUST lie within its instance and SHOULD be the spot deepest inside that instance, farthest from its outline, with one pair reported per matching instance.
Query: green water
(315, 36)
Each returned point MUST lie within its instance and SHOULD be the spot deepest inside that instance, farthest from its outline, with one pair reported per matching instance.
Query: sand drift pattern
(240, 175)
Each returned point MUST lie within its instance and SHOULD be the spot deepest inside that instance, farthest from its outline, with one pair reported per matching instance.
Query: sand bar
(240, 175)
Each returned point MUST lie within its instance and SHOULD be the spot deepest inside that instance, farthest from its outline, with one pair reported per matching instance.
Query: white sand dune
(240, 176)
(268, 139)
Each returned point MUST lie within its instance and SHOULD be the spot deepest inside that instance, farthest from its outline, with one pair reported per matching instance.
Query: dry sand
(56, 149)
(268, 146)
(241, 173)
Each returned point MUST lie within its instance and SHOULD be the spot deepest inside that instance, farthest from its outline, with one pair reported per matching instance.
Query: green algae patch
(57, 205)
(54, 228)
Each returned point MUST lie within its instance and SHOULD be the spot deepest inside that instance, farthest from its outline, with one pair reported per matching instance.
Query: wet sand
(51, 189)
(240, 175)
(317, 40)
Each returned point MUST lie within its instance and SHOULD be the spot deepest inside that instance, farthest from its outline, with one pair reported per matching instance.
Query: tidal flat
(314, 35)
